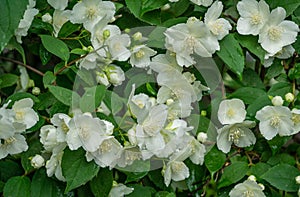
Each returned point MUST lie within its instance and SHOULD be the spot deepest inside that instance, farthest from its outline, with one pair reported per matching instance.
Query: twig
(69, 64)
(22, 64)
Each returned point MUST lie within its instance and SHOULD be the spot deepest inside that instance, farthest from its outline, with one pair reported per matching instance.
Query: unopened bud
(106, 34)
(37, 161)
(202, 137)
(137, 36)
(203, 113)
(297, 178)
(165, 7)
(252, 178)
(36, 91)
(277, 101)
(289, 97)
(47, 18)
(262, 186)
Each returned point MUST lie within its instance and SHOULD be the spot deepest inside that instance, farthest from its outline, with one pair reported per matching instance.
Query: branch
(22, 64)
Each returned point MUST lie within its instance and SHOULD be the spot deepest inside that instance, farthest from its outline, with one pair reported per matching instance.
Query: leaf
(232, 54)
(251, 43)
(64, 95)
(45, 55)
(20, 95)
(280, 89)
(12, 12)
(258, 104)
(258, 169)
(17, 186)
(44, 186)
(48, 78)
(233, 173)
(139, 190)
(197, 174)
(290, 6)
(9, 169)
(102, 183)
(14, 44)
(76, 169)
(56, 47)
(282, 176)
(214, 160)
(8, 80)
(247, 94)
(252, 79)
(157, 38)
(277, 142)
(92, 98)
(165, 194)
(67, 29)
(275, 69)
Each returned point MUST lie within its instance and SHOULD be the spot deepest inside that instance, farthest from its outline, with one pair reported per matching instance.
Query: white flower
(297, 178)
(114, 74)
(7, 128)
(89, 62)
(218, 26)
(238, 134)
(87, 132)
(101, 78)
(176, 171)
(58, 5)
(51, 140)
(13, 145)
(289, 97)
(26, 21)
(205, 3)
(277, 32)
(187, 39)
(275, 120)
(247, 188)
(24, 113)
(119, 190)
(140, 56)
(285, 53)
(277, 101)
(107, 154)
(37, 161)
(296, 120)
(47, 18)
(231, 111)
(59, 19)
(91, 12)
(202, 137)
(254, 15)
(61, 121)
(53, 166)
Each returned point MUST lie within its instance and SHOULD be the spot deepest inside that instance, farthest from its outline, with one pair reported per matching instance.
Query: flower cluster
(197, 37)
(13, 123)
(274, 33)
(236, 129)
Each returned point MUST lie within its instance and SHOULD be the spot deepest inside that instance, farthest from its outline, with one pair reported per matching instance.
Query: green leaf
(14, 44)
(283, 158)
(282, 176)
(259, 169)
(157, 38)
(45, 55)
(157, 179)
(76, 169)
(67, 29)
(197, 174)
(277, 142)
(165, 194)
(280, 89)
(232, 54)
(64, 95)
(290, 6)
(274, 70)
(17, 186)
(8, 80)
(233, 173)
(258, 104)
(56, 47)
(139, 190)
(20, 95)
(44, 186)
(214, 160)
(252, 79)
(247, 94)
(48, 78)
(92, 98)
(12, 12)
(102, 183)
(9, 169)
(251, 43)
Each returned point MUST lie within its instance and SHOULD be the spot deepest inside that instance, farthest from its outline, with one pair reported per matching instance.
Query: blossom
(176, 171)
(296, 120)
(185, 39)
(238, 134)
(277, 32)
(277, 101)
(60, 17)
(114, 74)
(140, 56)
(24, 113)
(87, 132)
(247, 188)
(119, 190)
(26, 21)
(202, 2)
(91, 12)
(13, 145)
(231, 111)
(61, 121)
(254, 15)
(37, 161)
(53, 166)
(58, 5)
(218, 26)
(275, 120)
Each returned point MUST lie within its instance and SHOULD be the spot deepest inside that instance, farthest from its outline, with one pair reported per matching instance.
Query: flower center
(91, 12)
(230, 113)
(275, 121)
(105, 146)
(9, 141)
(248, 194)
(84, 132)
(20, 115)
(216, 28)
(256, 19)
(139, 54)
(177, 166)
(296, 118)
(190, 44)
(64, 127)
(275, 33)
(235, 134)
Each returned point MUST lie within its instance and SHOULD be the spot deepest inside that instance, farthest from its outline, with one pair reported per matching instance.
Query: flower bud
(262, 186)
(289, 97)
(202, 137)
(47, 18)
(106, 34)
(165, 7)
(297, 178)
(277, 101)
(252, 178)
(37, 161)
(36, 91)
(115, 75)
(137, 36)
(102, 78)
